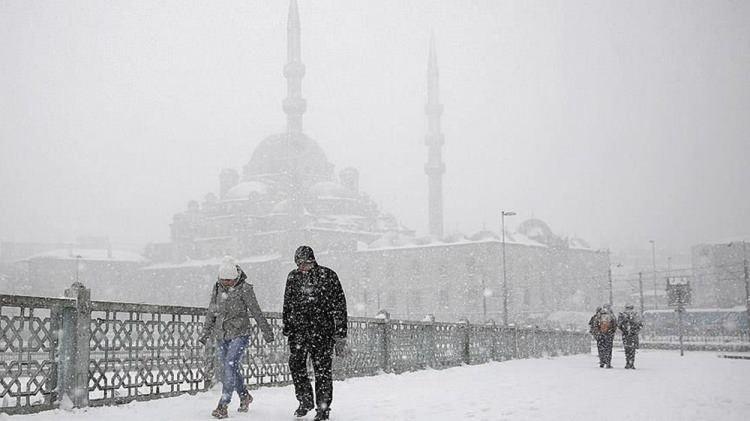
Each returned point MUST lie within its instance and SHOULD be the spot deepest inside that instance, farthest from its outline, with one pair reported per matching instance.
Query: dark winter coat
(230, 309)
(314, 304)
(630, 325)
(596, 327)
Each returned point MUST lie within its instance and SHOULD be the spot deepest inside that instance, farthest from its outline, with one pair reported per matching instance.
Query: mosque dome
(329, 189)
(290, 153)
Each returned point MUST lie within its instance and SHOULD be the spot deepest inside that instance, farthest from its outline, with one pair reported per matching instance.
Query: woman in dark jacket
(232, 299)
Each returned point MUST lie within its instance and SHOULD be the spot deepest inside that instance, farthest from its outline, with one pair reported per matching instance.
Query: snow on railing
(74, 352)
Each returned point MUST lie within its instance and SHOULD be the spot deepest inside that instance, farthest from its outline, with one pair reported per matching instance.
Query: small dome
(392, 239)
(328, 189)
(283, 206)
(243, 190)
(484, 235)
(539, 231)
(454, 238)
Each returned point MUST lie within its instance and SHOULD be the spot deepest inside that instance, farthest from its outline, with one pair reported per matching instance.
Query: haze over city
(614, 122)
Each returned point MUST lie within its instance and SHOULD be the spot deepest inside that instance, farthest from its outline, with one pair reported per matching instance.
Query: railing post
(55, 326)
(430, 347)
(384, 321)
(465, 326)
(73, 374)
(494, 333)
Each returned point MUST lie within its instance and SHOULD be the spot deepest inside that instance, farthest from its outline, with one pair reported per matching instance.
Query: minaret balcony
(433, 109)
(435, 139)
(294, 105)
(294, 69)
(434, 168)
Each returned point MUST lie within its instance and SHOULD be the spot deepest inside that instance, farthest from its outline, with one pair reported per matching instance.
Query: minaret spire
(294, 105)
(435, 168)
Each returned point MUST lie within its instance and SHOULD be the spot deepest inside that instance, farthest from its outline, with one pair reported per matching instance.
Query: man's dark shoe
(220, 412)
(322, 414)
(601, 365)
(303, 409)
(245, 402)
(609, 365)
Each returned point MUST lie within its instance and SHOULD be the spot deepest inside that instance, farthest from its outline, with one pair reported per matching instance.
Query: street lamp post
(503, 214)
(653, 264)
(746, 272)
(484, 301)
(78, 265)
(746, 276)
(609, 277)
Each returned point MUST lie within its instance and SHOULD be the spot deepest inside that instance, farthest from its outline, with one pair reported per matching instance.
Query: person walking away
(315, 321)
(603, 326)
(630, 325)
(594, 331)
(232, 301)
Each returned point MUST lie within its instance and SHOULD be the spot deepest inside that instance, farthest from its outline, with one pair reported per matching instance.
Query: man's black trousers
(604, 344)
(629, 355)
(320, 351)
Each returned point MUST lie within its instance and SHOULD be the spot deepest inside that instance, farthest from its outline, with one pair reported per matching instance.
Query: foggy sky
(618, 122)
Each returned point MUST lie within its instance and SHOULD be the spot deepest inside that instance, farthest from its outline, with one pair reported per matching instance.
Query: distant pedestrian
(315, 321)
(603, 326)
(231, 299)
(630, 325)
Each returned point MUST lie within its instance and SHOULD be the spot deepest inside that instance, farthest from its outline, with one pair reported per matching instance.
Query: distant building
(718, 274)
(13, 252)
(108, 272)
(288, 194)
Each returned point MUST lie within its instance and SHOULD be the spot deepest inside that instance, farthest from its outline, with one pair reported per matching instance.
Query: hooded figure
(232, 301)
(630, 325)
(603, 325)
(315, 321)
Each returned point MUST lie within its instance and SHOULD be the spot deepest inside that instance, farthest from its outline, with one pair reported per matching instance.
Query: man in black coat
(630, 325)
(315, 321)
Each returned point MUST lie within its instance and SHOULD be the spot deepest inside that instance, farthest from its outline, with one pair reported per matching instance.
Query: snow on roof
(578, 244)
(90, 255)
(728, 240)
(394, 241)
(518, 238)
(214, 261)
(735, 309)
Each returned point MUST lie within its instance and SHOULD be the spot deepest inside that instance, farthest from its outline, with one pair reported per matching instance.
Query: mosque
(288, 194)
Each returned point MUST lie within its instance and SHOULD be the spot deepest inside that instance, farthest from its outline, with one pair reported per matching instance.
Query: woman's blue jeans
(230, 355)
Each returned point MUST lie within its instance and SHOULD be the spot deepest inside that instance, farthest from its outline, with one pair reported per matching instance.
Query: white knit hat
(228, 268)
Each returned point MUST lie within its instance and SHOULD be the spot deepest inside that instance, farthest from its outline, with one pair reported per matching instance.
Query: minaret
(294, 105)
(435, 168)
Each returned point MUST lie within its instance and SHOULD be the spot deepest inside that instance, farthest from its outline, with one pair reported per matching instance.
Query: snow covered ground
(699, 386)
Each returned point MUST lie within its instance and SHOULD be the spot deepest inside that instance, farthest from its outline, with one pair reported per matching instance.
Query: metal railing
(74, 352)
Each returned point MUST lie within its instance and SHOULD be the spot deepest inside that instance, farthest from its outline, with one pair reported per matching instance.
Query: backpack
(605, 320)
